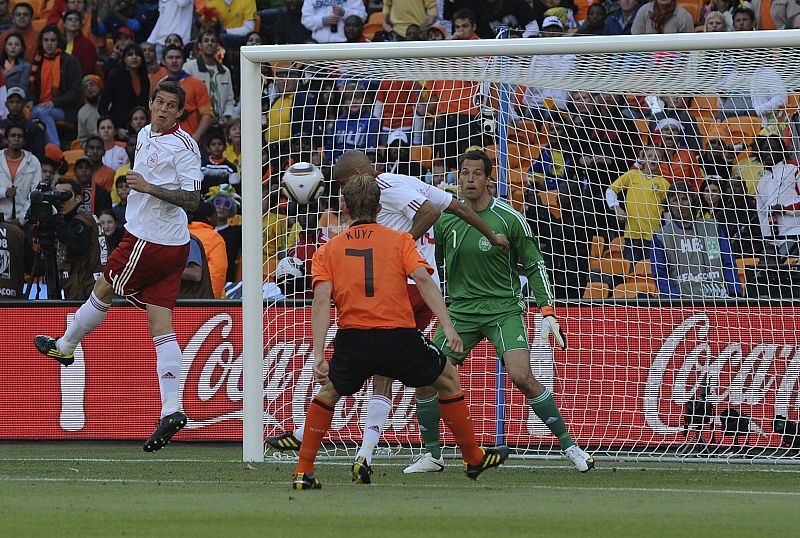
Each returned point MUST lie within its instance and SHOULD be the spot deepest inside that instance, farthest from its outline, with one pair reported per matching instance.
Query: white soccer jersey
(780, 186)
(170, 160)
(401, 198)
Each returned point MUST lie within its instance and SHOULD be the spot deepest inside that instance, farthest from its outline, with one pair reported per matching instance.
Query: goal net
(664, 190)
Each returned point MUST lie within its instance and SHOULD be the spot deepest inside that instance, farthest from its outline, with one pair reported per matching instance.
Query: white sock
(88, 317)
(299, 432)
(168, 364)
(378, 411)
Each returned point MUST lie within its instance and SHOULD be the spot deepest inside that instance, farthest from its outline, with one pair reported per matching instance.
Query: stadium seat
(596, 290)
(616, 247)
(423, 155)
(693, 9)
(742, 264)
(704, 106)
(549, 199)
(71, 155)
(597, 247)
(632, 290)
(614, 266)
(642, 272)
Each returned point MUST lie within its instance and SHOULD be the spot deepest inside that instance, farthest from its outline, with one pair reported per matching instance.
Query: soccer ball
(303, 183)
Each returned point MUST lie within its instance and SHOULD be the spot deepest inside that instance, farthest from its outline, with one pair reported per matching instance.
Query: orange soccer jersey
(367, 266)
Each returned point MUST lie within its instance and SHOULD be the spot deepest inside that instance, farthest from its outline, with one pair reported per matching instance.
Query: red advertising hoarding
(623, 381)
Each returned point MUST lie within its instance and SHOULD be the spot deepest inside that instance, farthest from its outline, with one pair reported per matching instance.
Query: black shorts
(402, 354)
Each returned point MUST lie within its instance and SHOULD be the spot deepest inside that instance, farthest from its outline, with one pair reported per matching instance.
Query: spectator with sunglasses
(218, 170)
(228, 223)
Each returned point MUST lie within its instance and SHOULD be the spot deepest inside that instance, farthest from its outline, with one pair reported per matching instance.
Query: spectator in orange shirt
(23, 17)
(155, 71)
(213, 243)
(680, 164)
(55, 84)
(95, 150)
(464, 25)
(198, 114)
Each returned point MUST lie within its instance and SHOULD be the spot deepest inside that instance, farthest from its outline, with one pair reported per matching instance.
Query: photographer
(81, 246)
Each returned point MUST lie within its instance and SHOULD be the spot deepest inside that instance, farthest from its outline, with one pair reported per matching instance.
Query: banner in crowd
(625, 379)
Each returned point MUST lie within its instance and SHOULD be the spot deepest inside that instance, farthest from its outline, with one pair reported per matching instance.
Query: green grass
(97, 489)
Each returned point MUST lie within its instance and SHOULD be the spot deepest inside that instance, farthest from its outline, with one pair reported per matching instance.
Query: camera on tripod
(42, 216)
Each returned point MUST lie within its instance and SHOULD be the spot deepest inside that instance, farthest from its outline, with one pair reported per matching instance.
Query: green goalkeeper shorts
(505, 332)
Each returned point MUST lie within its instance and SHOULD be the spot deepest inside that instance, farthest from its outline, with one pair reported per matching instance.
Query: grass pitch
(98, 489)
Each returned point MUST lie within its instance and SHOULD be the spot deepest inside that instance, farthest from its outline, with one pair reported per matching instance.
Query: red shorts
(146, 273)
(422, 314)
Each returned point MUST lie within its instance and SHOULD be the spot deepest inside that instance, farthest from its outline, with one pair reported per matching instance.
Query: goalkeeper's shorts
(505, 332)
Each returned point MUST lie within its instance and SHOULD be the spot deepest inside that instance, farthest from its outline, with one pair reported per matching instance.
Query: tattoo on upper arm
(188, 200)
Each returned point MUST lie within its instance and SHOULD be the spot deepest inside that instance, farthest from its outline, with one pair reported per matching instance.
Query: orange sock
(456, 416)
(318, 420)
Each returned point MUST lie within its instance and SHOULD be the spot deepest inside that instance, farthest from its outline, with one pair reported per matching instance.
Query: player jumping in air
(483, 283)
(147, 265)
(377, 332)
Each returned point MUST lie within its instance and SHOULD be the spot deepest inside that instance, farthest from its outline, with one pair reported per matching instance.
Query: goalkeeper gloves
(550, 325)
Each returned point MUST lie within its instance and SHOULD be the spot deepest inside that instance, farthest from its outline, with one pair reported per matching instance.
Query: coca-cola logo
(212, 385)
(761, 373)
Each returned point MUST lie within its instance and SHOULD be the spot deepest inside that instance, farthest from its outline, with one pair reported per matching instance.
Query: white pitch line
(627, 466)
(415, 486)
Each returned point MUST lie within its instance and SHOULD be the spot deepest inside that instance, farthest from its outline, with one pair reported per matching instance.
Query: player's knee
(524, 381)
(382, 386)
(103, 290)
(328, 393)
(424, 393)
(447, 382)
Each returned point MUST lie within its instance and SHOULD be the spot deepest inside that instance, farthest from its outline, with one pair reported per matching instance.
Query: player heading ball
(377, 332)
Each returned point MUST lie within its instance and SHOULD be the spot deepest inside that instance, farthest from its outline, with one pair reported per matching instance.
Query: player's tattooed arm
(188, 200)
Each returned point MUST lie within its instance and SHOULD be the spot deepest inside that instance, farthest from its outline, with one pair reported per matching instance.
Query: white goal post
(502, 62)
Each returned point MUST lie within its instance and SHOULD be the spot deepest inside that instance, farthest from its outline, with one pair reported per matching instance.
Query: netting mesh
(664, 192)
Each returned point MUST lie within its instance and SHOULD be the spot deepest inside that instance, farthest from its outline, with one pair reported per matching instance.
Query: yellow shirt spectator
(644, 199)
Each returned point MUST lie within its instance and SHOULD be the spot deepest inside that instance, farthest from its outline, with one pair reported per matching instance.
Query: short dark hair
(207, 31)
(73, 184)
(25, 5)
(169, 86)
(101, 119)
(93, 137)
(746, 10)
(215, 134)
(69, 12)
(121, 179)
(477, 155)
(169, 48)
(464, 13)
(20, 127)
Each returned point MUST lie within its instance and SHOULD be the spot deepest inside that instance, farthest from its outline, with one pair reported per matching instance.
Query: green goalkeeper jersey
(481, 278)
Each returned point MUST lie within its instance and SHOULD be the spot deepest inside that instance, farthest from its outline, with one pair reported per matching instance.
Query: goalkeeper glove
(550, 325)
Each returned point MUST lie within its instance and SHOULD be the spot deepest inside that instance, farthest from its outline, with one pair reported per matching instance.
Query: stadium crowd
(591, 171)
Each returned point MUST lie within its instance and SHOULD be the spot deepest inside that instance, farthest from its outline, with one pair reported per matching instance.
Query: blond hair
(716, 15)
(362, 197)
